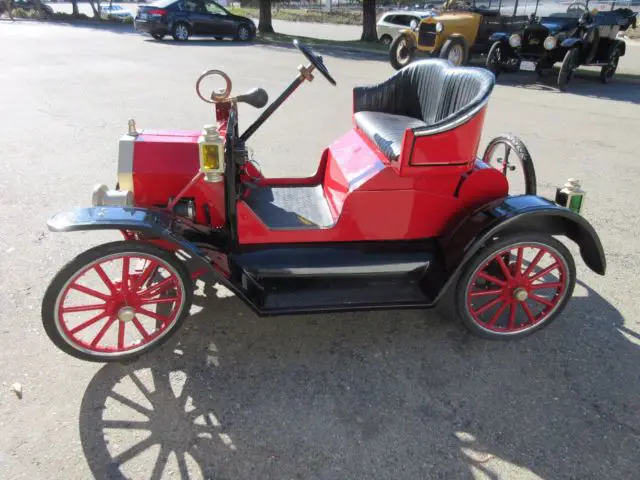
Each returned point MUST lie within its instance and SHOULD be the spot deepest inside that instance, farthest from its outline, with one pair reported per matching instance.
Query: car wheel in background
(244, 34)
(181, 31)
(386, 39)
(157, 36)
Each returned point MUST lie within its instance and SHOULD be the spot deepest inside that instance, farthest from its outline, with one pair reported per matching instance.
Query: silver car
(391, 23)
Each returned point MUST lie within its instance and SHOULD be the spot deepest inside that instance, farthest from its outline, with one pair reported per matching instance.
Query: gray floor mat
(291, 207)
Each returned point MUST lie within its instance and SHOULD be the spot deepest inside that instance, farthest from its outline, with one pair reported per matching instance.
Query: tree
(74, 4)
(264, 23)
(369, 33)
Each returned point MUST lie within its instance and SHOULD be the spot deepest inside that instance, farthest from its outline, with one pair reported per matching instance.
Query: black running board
(295, 280)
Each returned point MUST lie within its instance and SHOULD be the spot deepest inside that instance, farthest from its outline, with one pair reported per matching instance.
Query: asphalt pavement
(407, 395)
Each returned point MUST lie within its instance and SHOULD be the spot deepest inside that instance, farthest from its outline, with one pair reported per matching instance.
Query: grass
(67, 17)
(280, 38)
(341, 17)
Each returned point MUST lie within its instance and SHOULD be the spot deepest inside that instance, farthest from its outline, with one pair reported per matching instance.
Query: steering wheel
(577, 8)
(316, 61)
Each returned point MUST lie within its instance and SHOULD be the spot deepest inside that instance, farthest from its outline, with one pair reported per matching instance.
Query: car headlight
(439, 27)
(550, 43)
(515, 40)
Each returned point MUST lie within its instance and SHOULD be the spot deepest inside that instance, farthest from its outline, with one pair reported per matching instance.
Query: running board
(283, 281)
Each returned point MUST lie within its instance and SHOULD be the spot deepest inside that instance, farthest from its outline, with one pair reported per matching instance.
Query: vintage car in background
(460, 30)
(574, 36)
(392, 23)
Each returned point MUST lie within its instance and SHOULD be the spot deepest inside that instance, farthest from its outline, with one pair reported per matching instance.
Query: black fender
(619, 44)
(518, 214)
(499, 36)
(151, 223)
(571, 42)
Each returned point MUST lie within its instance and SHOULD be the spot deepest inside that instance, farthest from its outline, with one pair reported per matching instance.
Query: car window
(213, 8)
(389, 18)
(192, 6)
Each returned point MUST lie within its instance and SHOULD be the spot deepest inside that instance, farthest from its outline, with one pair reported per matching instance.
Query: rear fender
(526, 213)
(152, 225)
(621, 45)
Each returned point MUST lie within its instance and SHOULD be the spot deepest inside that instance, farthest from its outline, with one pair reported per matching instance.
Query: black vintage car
(576, 36)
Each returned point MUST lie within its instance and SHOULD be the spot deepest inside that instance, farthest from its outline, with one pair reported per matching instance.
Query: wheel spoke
(140, 328)
(505, 165)
(533, 263)
(145, 275)
(159, 300)
(503, 266)
(487, 306)
(494, 319)
(540, 286)
(103, 330)
(88, 323)
(541, 300)
(121, 327)
(544, 272)
(158, 288)
(84, 308)
(105, 278)
(485, 293)
(518, 268)
(161, 318)
(125, 273)
(89, 291)
(492, 279)
(527, 310)
(512, 315)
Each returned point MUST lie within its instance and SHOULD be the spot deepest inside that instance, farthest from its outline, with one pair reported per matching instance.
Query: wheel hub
(520, 294)
(126, 314)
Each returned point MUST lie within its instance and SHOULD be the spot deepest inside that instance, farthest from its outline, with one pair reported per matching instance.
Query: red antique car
(400, 211)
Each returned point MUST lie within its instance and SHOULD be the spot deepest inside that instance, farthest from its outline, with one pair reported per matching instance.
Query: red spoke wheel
(117, 301)
(515, 286)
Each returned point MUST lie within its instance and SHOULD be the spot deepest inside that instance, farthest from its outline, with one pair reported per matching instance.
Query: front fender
(520, 214)
(150, 223)
(499, 36)
(570, 42)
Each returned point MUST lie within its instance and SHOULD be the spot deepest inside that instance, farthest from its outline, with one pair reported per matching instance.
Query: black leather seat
(429, 95)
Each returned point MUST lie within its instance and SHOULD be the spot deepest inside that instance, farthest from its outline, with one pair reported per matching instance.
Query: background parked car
(184, 18)
(114, 11)
(390, 24)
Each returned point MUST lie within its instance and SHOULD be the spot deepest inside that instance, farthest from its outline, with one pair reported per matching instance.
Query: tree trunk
(369, 33)
(74, 4)
(264, 24)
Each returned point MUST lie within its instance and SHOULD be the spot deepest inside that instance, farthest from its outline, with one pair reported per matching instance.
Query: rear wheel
(515, 286)
(455, 50)
(401, 52)
(608, 71)
(117, 301)
(569, 64)
(181, 32)
(510, 155)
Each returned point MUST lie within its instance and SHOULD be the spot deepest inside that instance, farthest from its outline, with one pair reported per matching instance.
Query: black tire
(243, 34)
(219, 38)
(513, 143)
(401, 52)
(494, 58)
(569, 64)
(386, 39)
(492, 250)
(157, 36)
(181, 32)
(69, 271)
(608, 71)
(456, 48)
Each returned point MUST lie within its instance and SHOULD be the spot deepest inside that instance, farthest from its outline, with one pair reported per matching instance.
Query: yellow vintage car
(460, 30)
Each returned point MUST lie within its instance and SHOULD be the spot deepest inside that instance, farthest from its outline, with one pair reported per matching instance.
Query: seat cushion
(386, 130)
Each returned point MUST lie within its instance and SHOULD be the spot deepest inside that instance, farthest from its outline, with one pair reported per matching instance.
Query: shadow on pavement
(377, 395)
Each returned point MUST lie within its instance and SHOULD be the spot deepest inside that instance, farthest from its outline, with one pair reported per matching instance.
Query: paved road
(380, 395)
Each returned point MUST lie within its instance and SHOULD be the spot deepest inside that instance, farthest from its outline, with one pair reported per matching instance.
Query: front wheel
(401, 52)
(515, 286)
(244, 34)
(455, 50)
(117, 301)
(569, 64)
